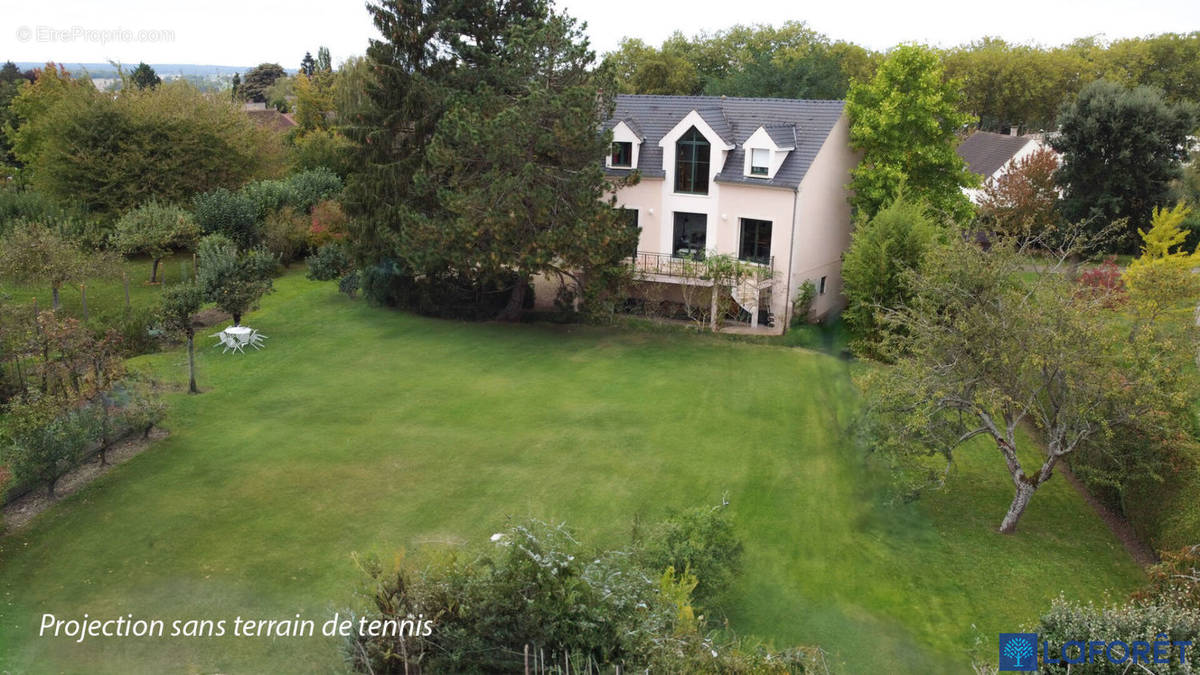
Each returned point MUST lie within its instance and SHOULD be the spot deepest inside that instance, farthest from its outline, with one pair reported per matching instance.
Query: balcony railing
(689, 266)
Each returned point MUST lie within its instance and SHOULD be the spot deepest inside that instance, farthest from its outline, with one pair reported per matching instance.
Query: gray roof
(985, 152)
(803, 124)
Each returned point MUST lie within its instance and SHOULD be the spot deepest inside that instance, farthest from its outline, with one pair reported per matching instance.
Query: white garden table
(239, 333)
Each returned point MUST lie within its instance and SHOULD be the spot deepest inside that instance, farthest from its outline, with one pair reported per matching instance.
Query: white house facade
(760, 180)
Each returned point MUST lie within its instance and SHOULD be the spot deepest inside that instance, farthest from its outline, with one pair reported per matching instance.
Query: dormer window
(760, 162)
(691, 163)
(622, 155)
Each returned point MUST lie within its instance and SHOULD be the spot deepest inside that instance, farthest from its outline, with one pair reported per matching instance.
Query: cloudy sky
(248, 32)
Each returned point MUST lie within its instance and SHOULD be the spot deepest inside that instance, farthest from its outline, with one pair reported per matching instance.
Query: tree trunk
(512, 311)
(154, 272)
(50, 487)
(237, 318)
(1020, 501)
(191, 344)
(54, 294)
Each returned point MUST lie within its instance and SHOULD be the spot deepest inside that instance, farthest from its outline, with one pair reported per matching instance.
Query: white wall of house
(810, 227)
(822, 226)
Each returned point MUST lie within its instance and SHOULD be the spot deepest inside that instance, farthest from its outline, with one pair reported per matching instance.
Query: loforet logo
(1019, 652)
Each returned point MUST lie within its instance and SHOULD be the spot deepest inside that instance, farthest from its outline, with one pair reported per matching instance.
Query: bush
(446, 294)
(269, 196)
(44, 439)
(1104, 281)
(535, 586)
(882, 251)
(1066, 622)
(328, 263)
(802, 307)
(231, 214)
(1175, 580)
(324, 149)
(132, 328)
(328, 224)
(700, 542)
(313, 186)
(286, 235)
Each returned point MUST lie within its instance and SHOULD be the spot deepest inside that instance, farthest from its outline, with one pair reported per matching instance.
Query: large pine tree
(481, 152)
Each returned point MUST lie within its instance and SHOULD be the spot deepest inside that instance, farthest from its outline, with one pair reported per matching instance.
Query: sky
(249, 32)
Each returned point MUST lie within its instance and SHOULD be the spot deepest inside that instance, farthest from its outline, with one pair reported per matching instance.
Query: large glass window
(691, 235)
(622, 154)
(691, 163)
(755, 243)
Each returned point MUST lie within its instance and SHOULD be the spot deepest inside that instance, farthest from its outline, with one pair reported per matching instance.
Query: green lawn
(365, 430)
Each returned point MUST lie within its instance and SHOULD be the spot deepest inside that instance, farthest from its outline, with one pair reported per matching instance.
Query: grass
(364, 430)
(107, 296)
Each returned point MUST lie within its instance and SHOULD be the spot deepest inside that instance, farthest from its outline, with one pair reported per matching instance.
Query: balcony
(677, 268)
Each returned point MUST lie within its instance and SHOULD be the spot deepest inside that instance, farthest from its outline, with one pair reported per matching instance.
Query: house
(990, 155)
(269, 118)
(761, 180)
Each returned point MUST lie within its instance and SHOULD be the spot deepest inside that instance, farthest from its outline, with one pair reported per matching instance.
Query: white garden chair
(229, 341)
(256, 339)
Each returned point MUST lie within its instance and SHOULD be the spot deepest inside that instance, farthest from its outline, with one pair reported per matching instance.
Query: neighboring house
(269, 118)
(762, 180)
(990, 156)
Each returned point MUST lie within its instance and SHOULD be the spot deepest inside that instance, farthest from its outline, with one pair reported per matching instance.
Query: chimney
(1012, 131)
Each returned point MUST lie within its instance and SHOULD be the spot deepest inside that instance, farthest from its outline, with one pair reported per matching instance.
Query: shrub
(269, 196)
(313, 186)
(1066, 622)
(535, 586)
(231, 214)
(700, 542)
(33, 207)
(883, 250)
(132, 328)
(286, 235)
(328, 224)
(321, 148)
(802, 307)
(1104, 281)
(1175, 580)
(44, 438)
(328, 263)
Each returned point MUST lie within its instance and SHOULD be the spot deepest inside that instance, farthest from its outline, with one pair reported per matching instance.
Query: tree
(260, 78)
(107, 152)
(1121, 149)
(35, 254)
(1023, 202)
(324, 60)
(233, 280)
(144, 77)
(987, 350)
(527, 201)
(307, 65)
(876, 270)
(179, 303)
(30, 124)
(641, 69)
(155, 229)
(235, 87)
(436, 204)
(905, 121)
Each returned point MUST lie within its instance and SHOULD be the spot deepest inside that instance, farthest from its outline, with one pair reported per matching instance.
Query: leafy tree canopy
(905, 122)
(255, 84)
(1121, 148)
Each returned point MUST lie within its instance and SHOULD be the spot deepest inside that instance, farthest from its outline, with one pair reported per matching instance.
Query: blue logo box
(1018, 652)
